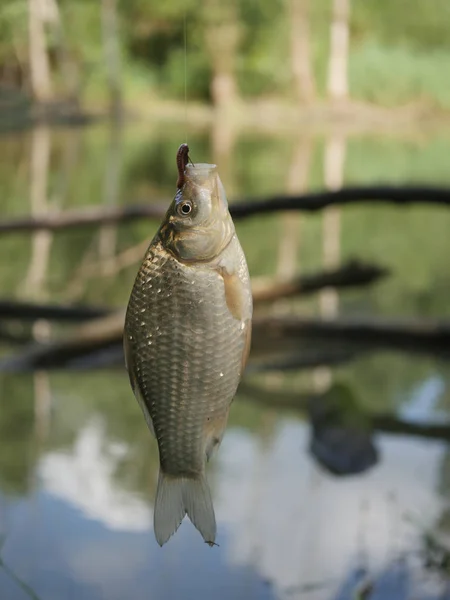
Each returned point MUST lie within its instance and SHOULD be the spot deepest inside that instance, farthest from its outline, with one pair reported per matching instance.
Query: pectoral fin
(239, 305)
(235, 294)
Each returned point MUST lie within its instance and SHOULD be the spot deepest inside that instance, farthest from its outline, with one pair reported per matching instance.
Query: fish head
(198, 224)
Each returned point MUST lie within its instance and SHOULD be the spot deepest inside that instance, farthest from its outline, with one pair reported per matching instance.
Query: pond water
(78, 467)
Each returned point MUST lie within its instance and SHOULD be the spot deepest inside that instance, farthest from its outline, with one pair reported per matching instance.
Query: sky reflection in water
(76, 506)
(283, 523)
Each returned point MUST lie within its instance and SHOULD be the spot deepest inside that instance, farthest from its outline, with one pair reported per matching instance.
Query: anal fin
(214, 430)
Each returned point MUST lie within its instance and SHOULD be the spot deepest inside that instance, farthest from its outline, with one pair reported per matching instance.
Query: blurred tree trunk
(297, 183)
(112, 55)
(337, 85)
(302, 70)
(111, 191)
(224, 134)
(66, 64)
(38, 56)
(222, 40)
(334, 165)
(35, 279)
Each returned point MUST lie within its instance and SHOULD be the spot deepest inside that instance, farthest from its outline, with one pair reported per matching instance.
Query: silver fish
(186, 341)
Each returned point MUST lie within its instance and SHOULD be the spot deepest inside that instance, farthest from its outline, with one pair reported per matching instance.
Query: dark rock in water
(343, 451)
(342, 437)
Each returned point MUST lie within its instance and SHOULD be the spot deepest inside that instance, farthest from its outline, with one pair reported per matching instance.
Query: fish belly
(186, 351)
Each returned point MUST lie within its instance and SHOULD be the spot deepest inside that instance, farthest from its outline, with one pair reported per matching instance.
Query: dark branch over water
(298, 402)
(351, 274)
(314, 201)
(30, 311)
(422, 337)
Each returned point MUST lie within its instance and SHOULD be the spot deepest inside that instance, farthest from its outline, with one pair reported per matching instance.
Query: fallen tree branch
(13, 335)
(390, 424)
(298, 361)
(86, 217)
(353, 273)
(29, 311)
(410, 336)
(107, 267)
(279, 398)
(314, 201)
(91, 337)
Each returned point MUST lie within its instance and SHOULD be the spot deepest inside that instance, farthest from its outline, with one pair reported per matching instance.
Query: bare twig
(21, 584)
(109, 266)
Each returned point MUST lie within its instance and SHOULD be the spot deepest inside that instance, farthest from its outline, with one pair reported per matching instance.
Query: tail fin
(177, 496)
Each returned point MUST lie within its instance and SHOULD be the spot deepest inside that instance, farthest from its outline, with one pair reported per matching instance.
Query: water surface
(78, 468)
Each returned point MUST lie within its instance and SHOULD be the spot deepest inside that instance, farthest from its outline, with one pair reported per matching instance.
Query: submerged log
(13, 335)
(364, 335)
(91, 337)
(29, 311)
(314, 201)
(297, 361)
(407, 335)
(354, 273)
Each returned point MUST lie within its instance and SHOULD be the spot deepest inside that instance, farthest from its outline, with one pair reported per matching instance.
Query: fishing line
(185, 76)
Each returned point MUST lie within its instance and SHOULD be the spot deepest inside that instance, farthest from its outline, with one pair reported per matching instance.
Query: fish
(187, 337)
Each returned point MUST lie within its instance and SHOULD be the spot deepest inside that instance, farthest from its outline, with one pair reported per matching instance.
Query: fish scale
(180, 365)
(186, 340)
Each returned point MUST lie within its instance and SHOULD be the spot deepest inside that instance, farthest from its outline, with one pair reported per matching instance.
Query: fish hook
(182, 160)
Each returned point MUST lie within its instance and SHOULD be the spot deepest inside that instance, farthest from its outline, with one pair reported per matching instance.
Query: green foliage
(397, 74)
(399, 51)
(13, 30)
(16, 429)
(418, 23)
(82, 28)
(262, 67)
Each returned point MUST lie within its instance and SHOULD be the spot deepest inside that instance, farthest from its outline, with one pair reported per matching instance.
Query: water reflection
(78, 468)
(83, 478)
(84, 528)
(298, 525)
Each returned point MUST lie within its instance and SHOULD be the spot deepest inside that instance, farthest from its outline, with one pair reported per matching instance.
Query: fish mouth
(205, 175)
(200, 173)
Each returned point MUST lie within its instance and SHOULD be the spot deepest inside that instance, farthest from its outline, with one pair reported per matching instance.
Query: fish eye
(185, 208)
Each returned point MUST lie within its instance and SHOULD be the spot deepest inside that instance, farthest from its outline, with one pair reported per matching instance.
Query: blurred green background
(397, 52)
(286, 98)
